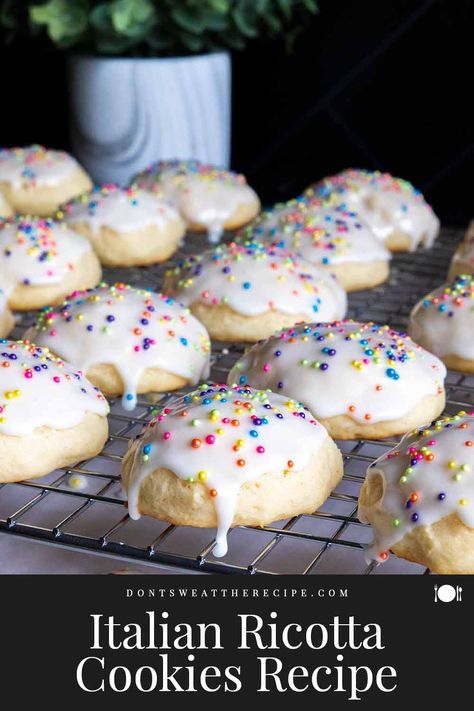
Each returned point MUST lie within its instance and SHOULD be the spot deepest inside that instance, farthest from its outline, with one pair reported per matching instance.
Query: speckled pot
(128, 112)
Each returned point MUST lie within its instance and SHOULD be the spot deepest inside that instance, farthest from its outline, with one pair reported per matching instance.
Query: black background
(47, 631)
(376, 83)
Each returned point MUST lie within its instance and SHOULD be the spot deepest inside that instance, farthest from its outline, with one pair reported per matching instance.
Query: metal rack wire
(92, 516)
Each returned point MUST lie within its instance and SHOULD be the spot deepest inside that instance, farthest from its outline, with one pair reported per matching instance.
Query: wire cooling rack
(83, 507)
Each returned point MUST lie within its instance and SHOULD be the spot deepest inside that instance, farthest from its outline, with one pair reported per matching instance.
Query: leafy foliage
(154, 27)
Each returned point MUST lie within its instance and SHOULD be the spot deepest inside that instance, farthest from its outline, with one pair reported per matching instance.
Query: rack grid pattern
(84, 508)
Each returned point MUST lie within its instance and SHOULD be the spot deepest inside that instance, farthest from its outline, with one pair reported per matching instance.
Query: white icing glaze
(321, 235)
(129, 328)
(39, 390)
(425, 478)
(3, 302)
(385, 203)
(229, 436)
(35, 166)
(365, 371)
(444, 319)
(204, 195)
(120, 209)
(37, 251)
(254, 278)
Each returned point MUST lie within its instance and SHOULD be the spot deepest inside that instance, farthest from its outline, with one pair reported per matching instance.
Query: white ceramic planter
(127, 113)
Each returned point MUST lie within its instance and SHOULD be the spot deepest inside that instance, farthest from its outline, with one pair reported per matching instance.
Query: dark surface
(59, 630)
(374, 84)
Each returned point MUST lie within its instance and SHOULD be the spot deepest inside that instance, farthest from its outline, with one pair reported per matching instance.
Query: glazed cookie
(50, 415)
(5, 209)
(469, 236)
(230, 456)
(6, 317)
(248, 291)
(126, 340)
(443, 322)
(331, 238)
(208, 198)
(419, 498)
(41, 261)
(462, 261)
(126, 226)
(35, 180)
(395, 211)
(358, 379)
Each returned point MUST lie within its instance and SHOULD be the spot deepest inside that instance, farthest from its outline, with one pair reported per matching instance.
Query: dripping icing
(273, 432)
(132, 329)
(426, 477)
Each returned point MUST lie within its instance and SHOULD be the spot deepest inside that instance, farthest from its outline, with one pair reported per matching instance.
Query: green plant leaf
(114, 45)
(155, 27)
(286, 7)
(191, 42)
(273, 22)
(132, 17)
(261, 6)
(233, 39)
(63, 19)
(100, 18)
(245, 18)
(144, 10)
(187, 20)
(221, 6)
(311, 6)
(42, 14)
(215, 21)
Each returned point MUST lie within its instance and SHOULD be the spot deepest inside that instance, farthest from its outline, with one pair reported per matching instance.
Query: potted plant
(150, 79)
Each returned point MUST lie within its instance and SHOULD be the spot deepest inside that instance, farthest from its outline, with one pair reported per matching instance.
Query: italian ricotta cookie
(469, 236)
(462, 261)
(50, 415)
(41, 261)
(395, 211)
(126, 340)
(126, 227)
(244, 292)
(443, 322)
(35, 180)
(209, 199)
(225, 456)
(358, 379)
(332, 238)
(6, 317)
(419, 498)
(5, 208)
